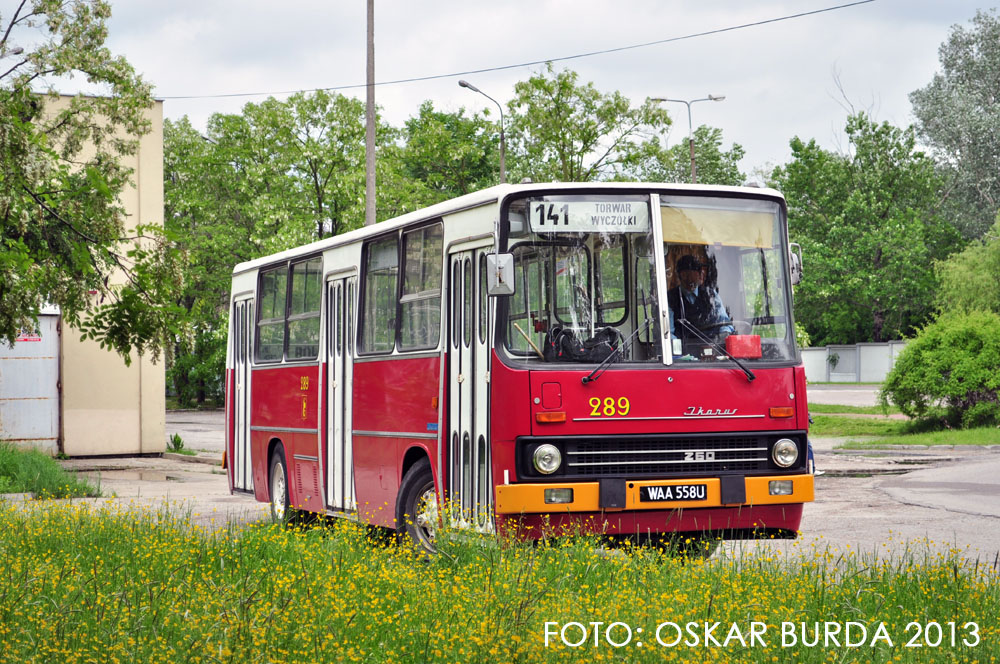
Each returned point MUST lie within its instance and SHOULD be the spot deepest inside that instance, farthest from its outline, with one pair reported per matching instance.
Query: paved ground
(866, 500)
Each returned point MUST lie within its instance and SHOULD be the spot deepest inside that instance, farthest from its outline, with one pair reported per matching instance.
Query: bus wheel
(280, 510)
(417, 513)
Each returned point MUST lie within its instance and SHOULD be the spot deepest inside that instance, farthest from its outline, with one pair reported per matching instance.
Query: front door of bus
(243, 326)
(340, 494)
(469, 475)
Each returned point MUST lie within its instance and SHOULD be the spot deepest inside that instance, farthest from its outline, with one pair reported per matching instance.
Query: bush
(954, 364)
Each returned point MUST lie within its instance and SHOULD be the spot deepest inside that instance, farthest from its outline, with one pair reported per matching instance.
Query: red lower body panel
(763, 518)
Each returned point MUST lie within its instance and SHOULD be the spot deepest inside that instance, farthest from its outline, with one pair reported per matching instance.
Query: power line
(534, 62)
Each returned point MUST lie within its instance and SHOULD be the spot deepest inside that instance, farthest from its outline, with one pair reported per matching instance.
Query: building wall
(107, 407)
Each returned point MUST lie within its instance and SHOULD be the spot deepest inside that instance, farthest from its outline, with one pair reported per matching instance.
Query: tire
(417, 508)
(281, 511)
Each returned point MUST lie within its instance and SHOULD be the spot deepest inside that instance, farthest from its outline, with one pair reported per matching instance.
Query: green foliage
(175, 443)
(26, 470)
(63, 230)
(869, 227)
(802, 338)
(449, 153)
(958, 113)
(713, 165)
(564, 131)
(952, 362)
(968, 280)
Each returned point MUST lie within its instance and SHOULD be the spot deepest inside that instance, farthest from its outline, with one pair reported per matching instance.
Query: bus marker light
(782, 411)
(434, 402)
(558, 496)
(550, 417)
(780, 487)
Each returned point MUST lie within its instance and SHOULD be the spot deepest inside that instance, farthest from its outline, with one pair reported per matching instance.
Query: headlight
(547, 459)
(785, 453)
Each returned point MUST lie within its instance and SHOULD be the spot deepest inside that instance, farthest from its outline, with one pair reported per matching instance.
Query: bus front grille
(665, 457)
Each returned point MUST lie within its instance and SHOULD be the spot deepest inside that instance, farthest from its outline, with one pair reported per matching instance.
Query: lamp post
(503, 141)
(688, 103)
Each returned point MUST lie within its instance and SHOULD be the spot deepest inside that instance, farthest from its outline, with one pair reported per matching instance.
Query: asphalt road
(868, 501)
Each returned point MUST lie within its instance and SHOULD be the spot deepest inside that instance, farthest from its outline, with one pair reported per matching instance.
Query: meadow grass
(980, 436)
(114, 584)
(865, 410)
(25, 470)
(832, 425)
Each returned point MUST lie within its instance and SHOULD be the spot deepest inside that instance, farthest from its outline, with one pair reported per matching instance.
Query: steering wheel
(619, 337)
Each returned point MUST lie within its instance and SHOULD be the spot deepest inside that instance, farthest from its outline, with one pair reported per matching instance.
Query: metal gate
(29, 387)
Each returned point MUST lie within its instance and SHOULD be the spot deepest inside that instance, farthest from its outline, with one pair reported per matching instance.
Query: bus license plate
(673, 492)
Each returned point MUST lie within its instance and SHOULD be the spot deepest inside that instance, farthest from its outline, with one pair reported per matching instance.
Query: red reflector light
(550, 417)
(782, 411)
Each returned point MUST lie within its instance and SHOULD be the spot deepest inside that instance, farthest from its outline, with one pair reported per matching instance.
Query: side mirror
(795, 262)
(500, 274)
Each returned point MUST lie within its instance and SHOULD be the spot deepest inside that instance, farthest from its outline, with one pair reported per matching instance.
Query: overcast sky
(779, 79)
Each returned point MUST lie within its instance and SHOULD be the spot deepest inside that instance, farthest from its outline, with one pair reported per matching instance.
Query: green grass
(25, 470)
(828, 425)
(981, 436)
(837, 408)
(118, 585)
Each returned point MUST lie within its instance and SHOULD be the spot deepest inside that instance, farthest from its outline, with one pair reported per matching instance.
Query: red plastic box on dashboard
(743, 345)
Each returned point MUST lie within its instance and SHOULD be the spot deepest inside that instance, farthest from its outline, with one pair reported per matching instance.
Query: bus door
(469, 481)
(340, 294)
(243, 328)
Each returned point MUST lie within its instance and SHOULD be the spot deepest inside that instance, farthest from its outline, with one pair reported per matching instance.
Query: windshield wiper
(749, 374)
(606, 362)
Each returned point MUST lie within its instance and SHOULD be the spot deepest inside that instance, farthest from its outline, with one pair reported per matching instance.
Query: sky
(796, 77)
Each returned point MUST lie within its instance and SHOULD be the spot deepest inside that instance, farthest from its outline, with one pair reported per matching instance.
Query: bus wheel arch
(417, 506)
(277, 481)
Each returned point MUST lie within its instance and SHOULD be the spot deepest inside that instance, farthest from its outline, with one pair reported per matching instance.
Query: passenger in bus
(698, 304)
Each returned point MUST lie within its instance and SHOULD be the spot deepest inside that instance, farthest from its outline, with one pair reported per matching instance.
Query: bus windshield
(586, 285)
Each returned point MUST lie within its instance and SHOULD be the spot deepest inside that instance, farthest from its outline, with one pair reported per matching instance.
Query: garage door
(29, 387)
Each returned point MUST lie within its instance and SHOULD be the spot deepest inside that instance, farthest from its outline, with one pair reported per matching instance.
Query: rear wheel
(280, 509)
(417, 512)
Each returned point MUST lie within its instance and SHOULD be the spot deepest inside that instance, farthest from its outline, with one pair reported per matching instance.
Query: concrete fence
(858, 363)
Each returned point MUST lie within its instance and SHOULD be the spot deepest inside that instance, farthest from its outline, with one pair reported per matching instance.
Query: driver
(699, 304)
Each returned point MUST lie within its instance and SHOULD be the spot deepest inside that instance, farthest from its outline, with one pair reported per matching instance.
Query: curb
(207, 460)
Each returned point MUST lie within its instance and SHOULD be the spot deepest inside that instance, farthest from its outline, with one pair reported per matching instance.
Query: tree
(714, 165)
(563, 131)
(950, 368)
(968, 280)
(63, 231)
(958, 113)
(449, 153)
(870, 227)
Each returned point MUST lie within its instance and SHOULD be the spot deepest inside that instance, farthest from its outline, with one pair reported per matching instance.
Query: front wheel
(417, 511)
(280, 510)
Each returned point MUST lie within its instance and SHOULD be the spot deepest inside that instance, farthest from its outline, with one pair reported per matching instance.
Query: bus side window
(303, 312)
(378, 296)
(271, 306)
(420, 303)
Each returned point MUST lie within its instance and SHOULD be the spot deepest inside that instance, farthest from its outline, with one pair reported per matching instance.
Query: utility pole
(370, 121)
(694, 172)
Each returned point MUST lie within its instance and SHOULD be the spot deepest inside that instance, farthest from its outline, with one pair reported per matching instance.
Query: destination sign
(589, 217)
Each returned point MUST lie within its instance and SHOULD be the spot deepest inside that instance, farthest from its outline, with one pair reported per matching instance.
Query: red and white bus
(512, 354)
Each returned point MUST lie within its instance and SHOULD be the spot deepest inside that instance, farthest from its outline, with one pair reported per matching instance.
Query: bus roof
(486, 197)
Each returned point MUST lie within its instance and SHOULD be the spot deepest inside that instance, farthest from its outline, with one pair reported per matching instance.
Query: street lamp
(690, 125)
(503, 141)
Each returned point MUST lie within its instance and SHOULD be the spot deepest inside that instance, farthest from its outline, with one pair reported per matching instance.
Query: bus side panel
(511, 416)
(286, 397)
(802, 400)
(393, 406)
(230, 437)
